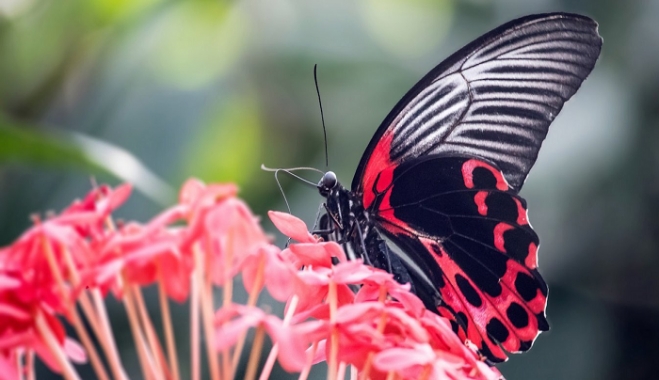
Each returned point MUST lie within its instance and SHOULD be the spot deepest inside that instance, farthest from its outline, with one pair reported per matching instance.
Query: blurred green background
(154, 92)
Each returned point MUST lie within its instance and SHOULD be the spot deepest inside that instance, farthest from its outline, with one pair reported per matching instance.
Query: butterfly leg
(324, 229)
(318, 216)
(363, 254)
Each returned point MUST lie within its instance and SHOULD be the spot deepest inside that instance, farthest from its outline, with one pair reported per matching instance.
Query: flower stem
(71, 312)
(89, 346)
(227, 297)
(341, 373)
(254, 356)
(167, 326)
(68, 371)
(81, 330)
(307, 368)
(272, 356)
(150, 332)
(206, 303)
(146, 362)
(98, 318)
(29, 366)
(332, 365)
(251, 301)
(194, 325)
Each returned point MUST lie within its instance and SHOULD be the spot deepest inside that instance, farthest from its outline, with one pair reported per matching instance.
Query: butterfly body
(441, 176)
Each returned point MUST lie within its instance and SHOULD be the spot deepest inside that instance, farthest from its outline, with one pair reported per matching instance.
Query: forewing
(461, 223)
(495, 98)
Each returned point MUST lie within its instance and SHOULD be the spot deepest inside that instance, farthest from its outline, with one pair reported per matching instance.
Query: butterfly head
(327, 184)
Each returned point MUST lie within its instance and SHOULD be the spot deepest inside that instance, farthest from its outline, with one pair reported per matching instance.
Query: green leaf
(29, 145)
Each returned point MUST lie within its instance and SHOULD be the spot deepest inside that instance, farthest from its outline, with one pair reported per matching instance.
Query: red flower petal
(291, 226)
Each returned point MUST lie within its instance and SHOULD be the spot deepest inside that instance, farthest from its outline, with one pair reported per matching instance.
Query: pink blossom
(336, 310)
(278, 272)
(234, 320)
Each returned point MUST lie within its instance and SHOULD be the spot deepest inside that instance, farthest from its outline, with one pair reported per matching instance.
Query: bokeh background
(156, 91)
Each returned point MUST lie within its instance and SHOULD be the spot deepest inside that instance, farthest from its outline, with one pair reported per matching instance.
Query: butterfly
(441, 176)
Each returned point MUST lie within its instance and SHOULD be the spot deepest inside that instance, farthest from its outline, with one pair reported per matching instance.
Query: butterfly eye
(328, 182)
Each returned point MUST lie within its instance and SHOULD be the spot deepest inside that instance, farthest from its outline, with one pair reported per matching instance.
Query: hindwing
(463, 226)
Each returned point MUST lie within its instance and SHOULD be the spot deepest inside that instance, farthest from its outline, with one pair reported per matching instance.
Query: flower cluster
(355, 317)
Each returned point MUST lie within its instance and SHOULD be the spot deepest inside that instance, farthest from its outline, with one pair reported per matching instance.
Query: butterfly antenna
(281, 189)
(290, 171)
(322, 116)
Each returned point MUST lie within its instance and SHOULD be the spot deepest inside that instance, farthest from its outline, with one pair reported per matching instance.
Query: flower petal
(74, 351)
(291, 226)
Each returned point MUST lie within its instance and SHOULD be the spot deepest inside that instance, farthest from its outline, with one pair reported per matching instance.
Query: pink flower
(231, 234)
(89, 215)
(313, 285)
(21, 305)
(234, 320)
(422, 362)
(336, 310)
(144, 255)
(278, 273)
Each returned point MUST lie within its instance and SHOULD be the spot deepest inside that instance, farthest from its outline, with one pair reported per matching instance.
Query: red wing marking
(479, 199)
(468, 174)
(379, 168)
(522, 214)
(532, 259)
(499, 241)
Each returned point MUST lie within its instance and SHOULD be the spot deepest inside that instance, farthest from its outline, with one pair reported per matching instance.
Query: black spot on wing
(526, 286)
(437, 250)
(517, 315)
(485, 351)
(501, 206)
(517, 241)
(462, 318)
(484, 178)
(497, 330)
(468, 291)
(525, 345)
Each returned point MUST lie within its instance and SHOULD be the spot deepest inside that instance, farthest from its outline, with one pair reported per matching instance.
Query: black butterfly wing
(463, 226)
(495, 98)
(489, 107)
